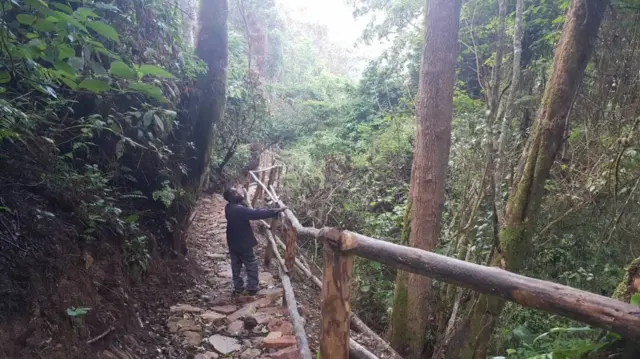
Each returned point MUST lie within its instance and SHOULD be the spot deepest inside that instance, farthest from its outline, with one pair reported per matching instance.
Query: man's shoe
(238, 291)
(252, 292)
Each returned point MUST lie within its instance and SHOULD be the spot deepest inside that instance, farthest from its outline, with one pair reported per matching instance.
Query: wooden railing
(340, 247)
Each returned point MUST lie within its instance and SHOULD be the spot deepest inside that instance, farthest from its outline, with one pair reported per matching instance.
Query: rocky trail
(209, 321)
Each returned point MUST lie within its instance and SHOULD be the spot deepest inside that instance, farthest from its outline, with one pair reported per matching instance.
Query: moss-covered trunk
(630, 283)
(398, 329)
(209, 101)
(571, 58)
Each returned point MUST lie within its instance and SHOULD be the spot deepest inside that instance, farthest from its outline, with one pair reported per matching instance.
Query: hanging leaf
(5, 77)
(104, 51)
(85, 13)
(149, 90)
(97, 68)
(64, 67)
(103, 6)
(120, 149)
(36, 4)
(120, 69)
(159, 123)
(148, 117)
(103, 29)
(70, 19)
(65, 51)
(62, 7)
(132, 218)
(45, 25)
(77, 63)
(156, 71)
(26, 19)
(94, 85)
(69, 83)
(635, 299)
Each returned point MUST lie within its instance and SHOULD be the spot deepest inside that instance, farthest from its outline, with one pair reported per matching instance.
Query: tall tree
(571, 57)
(431, 155)
(209, 102)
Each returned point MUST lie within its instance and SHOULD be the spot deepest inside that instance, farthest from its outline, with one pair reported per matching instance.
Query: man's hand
(282, 209)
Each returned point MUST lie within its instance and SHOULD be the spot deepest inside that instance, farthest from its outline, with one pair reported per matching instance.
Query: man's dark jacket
(240, 236)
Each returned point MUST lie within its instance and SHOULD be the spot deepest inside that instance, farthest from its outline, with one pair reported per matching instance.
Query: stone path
(218, 324)
(209, 322)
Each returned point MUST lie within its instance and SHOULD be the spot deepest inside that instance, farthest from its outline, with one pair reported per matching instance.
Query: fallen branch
(265, 169)
(358, 351)
(106, 332)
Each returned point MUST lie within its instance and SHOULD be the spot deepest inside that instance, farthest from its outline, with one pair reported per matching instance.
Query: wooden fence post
(278, 177)
(258, 192)
(336, 294)
(290, 236)
(272, 176)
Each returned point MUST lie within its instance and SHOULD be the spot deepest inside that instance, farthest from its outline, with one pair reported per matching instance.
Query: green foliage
(559, 342)
(87, 116)
(77, 312)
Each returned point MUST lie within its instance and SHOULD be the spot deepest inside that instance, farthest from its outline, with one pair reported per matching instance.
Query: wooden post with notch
(290, 235)
(257, 194)
(272, 176)
(336, 294)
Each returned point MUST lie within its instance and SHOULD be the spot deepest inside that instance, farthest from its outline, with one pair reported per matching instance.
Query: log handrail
(599, 311)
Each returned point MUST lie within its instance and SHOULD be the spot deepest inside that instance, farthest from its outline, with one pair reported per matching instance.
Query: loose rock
(224, 345)
(184, 308)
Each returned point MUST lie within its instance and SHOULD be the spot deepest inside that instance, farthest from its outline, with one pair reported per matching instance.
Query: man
(241, 240)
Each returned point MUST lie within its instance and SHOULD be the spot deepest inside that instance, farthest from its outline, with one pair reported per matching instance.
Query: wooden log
(358, 351)
(272, 177)
(336, 294)
(599, 311)
(300, 229)
(296, 320)
(270, 251)
(265, 169)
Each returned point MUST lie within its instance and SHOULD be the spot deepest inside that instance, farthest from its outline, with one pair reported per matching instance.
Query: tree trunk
(571, 58)
(398, 329)
(209, 101)
(431, 155)
(630, 283)
(507, 120)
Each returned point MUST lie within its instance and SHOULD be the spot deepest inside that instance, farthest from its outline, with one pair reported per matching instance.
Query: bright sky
(337, 15)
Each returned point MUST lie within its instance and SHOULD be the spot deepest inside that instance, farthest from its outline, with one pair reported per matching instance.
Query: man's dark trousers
(248, 259)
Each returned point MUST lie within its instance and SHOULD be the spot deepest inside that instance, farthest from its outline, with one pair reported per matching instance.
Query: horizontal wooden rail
(590, 308)
(603, 312)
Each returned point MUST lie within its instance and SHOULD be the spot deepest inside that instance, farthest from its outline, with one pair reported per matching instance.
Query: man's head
(232, 196)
